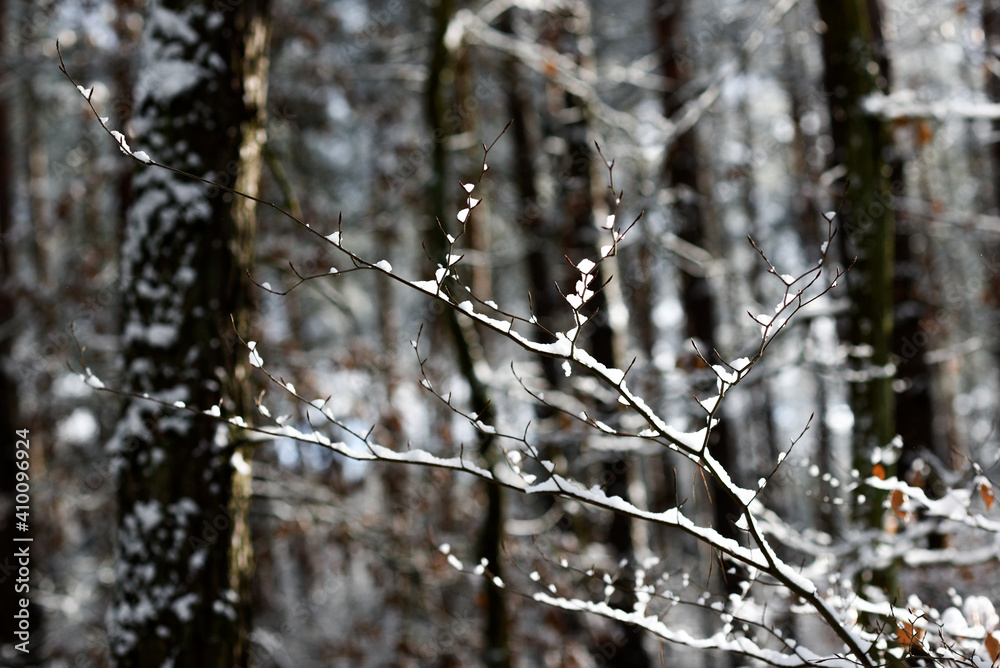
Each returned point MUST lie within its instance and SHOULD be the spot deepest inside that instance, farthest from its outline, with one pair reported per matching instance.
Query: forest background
(370, 120)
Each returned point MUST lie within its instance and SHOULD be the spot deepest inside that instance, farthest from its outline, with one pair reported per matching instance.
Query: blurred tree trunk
(124, 91)
(443, 108)
(914, 333)
(526, 136)
(8, 381)
(991, 28)
(583, 197)
(812, 231)
(851, 55)
(762, 399)
(866, 221)
(694, 225)
(914, 417)
(184, 557)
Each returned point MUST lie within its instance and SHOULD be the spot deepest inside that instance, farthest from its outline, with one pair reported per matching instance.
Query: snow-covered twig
(758, 555)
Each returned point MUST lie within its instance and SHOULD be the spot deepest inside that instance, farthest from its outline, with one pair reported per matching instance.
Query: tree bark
(867, 226)
(542, 252)
(184, 557)
(8, 381)
(991, 28)
(583, 184)
(852, 56)
(468, 346)
(681, 173)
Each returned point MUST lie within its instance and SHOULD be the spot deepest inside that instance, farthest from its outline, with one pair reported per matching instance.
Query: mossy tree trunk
(852, 58)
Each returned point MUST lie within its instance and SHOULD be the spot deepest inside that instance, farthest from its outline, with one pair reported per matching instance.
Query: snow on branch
(474, 27)
(759, 526)
(905, 104)
(88, 95)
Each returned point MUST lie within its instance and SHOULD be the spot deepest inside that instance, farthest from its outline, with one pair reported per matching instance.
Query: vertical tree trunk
(583, 182)
(681, 173)
(860, 141)
(8, 380)
(184, 560)
(762, 399)
(851, 57)
(914, 417)
(525, 134)
(468, 347)
(915, 406)
(991, 27)
(809, 222)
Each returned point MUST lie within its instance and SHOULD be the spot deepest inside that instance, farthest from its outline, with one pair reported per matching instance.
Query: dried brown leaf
(986, 492)
(993, 646)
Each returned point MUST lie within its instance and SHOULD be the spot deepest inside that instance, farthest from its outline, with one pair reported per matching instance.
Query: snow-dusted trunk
(184, 557)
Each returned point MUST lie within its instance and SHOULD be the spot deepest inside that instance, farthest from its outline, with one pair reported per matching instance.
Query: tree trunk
(851, 55)
(991, 27)
(914, 416)
(583, 183)
(8, 381)
(184, 559)
(681, 173)
(912, 338)
(468, 346)
(542, 252)
(810, 226)
(867, 225)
